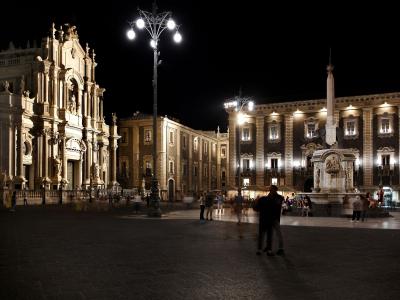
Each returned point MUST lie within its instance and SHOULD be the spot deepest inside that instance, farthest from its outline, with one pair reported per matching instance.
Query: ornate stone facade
(52, 129)
(189, 161)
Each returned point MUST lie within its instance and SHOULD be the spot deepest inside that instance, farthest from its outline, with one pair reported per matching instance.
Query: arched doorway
(308, 184)
(171, 189)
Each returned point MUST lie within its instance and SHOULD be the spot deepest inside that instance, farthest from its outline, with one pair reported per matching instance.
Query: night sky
(275, 52)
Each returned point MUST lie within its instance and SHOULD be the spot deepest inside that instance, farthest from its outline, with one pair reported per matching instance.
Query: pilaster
(260, 150)
(368, 156)
(288, 149)
(232, 163)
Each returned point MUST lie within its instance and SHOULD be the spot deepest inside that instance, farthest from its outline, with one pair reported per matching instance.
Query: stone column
(64, 158)
(20, 154)
(20, 178)
(178, 185)
(232, 163)
(368, 155)
(288, 150)
(45, 154)
(88, 162)
(201, 167)
(113, 153)
(136, 158)
(190, 162)
(260, 138)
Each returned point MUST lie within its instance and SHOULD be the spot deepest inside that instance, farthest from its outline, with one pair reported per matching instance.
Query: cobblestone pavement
(58, 253)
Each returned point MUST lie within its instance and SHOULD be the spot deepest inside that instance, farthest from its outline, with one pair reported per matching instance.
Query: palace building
(52, 129)
(277, 142)
(188, 161)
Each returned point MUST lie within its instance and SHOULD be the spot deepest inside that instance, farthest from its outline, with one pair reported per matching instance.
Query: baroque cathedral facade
(52, 129)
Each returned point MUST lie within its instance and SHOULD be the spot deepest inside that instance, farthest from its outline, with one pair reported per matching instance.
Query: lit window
(274, 181)
(273, 132)
(350, 128)
(246, 134)
(184, 142)
(246, 164)
(385, 125)
(274, 163)
(205, 145)
(223, 152)
(385, 160)
(147, 136)
(246, 181)
(311, 130)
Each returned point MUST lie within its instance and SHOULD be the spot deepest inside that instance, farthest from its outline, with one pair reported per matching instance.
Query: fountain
(333, 191)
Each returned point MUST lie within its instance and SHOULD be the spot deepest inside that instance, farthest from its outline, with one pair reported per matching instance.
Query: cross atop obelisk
(330, 126)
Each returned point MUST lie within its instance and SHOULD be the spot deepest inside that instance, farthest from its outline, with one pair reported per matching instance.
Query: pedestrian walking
(269, 208)
(209, 206)
(220, 203)
(381, 195)
(238, 206)
(356, 209)
(202, 205)
(13, 201)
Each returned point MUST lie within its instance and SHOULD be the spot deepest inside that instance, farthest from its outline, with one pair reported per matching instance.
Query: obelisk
(330, 127)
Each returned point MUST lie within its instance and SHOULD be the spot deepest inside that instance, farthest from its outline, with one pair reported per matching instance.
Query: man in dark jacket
(269, 208)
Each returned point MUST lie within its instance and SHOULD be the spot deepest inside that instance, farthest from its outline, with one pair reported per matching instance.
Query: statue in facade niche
(96, 171)
(57, 166)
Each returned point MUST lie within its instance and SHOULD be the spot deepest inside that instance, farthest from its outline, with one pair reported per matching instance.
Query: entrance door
(70, 175)
(308, 185)
(170, 190)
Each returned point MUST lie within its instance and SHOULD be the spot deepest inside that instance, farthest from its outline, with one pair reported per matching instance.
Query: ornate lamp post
(155, 24)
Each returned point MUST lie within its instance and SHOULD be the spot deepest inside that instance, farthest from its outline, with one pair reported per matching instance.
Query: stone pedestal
(333, 191)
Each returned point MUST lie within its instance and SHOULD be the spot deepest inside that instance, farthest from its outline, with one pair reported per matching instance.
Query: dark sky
(276, 52)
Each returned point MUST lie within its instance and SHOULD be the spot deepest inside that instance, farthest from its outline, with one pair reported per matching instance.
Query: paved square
(57, 253)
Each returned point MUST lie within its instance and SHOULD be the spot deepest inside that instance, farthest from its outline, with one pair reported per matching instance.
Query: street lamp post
(154, 23)
(240, 104)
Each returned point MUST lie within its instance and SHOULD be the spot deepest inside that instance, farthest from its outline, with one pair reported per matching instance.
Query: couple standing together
(269, 208)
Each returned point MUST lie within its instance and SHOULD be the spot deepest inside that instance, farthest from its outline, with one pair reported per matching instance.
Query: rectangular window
(205, 171)
(311, 130)
(195, 144)
(385, 125)
(171, 137)
(246, 134)
(148, 168)
(274, 163)
(274, 181)
(184, 142)
(351, 127)
(385, 160)
(246, 164)
(273, 132)
(205, 147)
(195, 170)
(171, 167)
(223, 152)
(246, 181)
(147, 136)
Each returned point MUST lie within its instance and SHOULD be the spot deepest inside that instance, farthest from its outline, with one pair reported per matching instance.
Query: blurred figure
(269, 208)
(238, 206)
